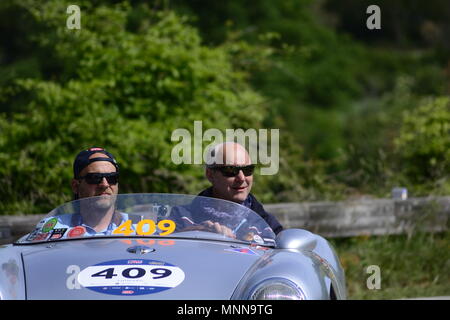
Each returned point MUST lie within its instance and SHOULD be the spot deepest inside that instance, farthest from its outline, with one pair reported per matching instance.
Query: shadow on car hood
(136, 268)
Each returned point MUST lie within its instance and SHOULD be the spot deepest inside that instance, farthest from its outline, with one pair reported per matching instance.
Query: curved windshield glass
(152, 215)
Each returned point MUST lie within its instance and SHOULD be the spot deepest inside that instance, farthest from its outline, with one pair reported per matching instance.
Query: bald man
(230, 171)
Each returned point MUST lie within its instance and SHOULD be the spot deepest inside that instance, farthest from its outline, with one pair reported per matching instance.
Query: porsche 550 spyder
(166, 246)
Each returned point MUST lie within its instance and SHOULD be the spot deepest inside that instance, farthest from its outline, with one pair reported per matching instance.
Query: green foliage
(410, 267)
(304, 78)
(369, 163)
(126, 91)
(395, 141)
(327, 73)
(342, 100)
(424, 144)
(137, 71)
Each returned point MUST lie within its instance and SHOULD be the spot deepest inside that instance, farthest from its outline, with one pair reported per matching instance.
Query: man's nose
(240, 175)
(104, 182)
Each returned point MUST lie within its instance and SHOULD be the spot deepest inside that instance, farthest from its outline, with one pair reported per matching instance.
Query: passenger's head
(230, 172)
(96, 173)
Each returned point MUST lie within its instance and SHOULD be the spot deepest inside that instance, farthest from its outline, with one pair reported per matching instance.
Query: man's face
(235, 188)
(85, 190)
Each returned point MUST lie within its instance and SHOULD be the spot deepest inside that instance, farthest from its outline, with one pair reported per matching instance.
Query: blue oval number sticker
(131, 277)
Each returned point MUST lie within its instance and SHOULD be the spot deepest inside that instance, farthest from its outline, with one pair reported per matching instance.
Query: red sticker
(241, 250)
(257, 246)
(127, 291)
(76, 232)
(41, 236)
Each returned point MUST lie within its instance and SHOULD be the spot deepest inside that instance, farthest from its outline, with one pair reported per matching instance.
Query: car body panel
(182, 265)
(47, 267)
(12, 281)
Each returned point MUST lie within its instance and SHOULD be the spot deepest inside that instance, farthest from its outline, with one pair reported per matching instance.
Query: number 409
(133, 273)
(146, 227)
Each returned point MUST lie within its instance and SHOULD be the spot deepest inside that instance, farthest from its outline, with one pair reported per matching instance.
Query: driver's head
(231, 172)
(95, 173)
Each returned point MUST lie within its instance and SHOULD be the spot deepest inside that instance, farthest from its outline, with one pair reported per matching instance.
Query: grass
(410, 266)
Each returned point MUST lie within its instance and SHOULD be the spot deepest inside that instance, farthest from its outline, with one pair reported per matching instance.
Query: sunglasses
(96, 178)
(232, 171)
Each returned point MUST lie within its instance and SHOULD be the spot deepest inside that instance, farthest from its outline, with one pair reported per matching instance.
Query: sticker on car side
(131, 277)
(49, 225)
(241, 250)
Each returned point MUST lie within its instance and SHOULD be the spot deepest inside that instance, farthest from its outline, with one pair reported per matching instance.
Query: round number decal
(131, 277)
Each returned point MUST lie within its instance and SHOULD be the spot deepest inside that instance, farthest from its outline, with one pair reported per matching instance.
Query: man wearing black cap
(95, 173)
(95, 183)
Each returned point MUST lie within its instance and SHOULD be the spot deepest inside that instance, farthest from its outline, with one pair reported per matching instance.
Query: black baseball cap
(82, 159)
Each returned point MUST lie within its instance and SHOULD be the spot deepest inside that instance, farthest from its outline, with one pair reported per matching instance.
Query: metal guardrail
(329, 219)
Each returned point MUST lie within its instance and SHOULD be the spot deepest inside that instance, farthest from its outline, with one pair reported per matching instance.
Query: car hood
(136, 268)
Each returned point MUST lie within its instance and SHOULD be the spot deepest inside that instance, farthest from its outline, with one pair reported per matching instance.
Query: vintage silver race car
(166, 246)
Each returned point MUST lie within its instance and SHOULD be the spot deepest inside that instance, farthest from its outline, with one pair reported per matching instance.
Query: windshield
(152, 215)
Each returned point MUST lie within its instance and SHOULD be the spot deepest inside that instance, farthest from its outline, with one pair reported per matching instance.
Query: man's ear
(209, 174)
(74, 184)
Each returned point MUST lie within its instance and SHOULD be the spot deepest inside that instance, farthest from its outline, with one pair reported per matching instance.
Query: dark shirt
(251, 203)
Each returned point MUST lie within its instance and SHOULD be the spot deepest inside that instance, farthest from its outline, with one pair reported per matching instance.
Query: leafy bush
(132, 75)
(423, 145)
(125, 90)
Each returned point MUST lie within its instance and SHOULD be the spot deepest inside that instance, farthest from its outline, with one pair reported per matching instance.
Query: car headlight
(277, 289)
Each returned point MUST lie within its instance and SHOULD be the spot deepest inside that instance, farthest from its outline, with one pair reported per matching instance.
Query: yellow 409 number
(146, 227)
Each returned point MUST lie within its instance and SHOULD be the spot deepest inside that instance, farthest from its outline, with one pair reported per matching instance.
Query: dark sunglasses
(96, 178)
(232, 171)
